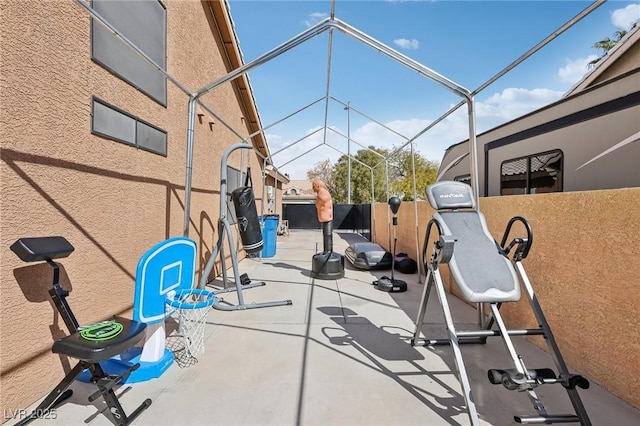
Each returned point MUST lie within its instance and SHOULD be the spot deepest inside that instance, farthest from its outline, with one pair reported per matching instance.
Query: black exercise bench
(89, 345)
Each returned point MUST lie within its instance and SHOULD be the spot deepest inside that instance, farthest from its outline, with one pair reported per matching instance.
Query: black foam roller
(247, 215)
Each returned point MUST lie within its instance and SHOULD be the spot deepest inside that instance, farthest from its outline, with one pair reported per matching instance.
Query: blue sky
(466, 41)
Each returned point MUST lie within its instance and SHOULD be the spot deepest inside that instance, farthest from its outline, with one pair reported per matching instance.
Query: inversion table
(485, 274)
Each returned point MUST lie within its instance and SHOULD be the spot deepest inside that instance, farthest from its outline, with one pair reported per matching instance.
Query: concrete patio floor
(340, 355)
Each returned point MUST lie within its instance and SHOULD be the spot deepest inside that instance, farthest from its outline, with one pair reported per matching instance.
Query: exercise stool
(95, 344)
(485, 274)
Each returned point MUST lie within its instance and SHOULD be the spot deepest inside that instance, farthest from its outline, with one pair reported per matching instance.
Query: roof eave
(226, 28)
(632, 37)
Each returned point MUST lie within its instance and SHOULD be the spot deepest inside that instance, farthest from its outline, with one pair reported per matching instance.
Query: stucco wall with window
(111, 200)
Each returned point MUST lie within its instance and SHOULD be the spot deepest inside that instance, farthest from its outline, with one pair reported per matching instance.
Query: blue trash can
(269, 233)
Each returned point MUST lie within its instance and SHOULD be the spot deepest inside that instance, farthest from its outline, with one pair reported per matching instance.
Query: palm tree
(606, 45)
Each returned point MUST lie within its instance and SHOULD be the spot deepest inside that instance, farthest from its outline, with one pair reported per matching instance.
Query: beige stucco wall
(584, 268)
(110, 200)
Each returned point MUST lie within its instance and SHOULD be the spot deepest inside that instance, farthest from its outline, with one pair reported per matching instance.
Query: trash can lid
(270, 216)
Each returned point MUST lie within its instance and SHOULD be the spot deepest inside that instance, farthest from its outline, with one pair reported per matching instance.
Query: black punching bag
(247, 215)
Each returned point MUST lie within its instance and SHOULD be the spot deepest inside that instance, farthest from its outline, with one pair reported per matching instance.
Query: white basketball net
(190, 333)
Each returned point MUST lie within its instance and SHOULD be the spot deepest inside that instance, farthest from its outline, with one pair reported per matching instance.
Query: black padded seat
(41, 248)
(78, 347)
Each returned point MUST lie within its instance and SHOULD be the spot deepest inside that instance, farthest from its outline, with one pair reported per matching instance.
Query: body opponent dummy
(324, 206)
(326, 265)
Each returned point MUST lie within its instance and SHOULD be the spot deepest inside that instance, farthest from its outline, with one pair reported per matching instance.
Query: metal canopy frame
(330, 24)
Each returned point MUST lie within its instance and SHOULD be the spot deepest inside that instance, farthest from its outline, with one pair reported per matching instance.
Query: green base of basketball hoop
(190, 308)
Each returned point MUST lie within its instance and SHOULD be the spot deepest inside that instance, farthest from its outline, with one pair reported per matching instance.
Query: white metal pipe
(343, 153)
(275, 195)
(371, 119)
(358, 143)
(189, 171)
(275, 123)
(407, 62)
(415, 207)
(288, 45)
(242, 167)
(348, 108)
(593, 6)
(328, 85)
(423, 131)
(473, 152)
(296, 142)
(508, 68)
(373, 199)
(399, 57)
(277, 51)
(386, 175)
(301, 155)
(308, 34)
(264, 184)
(223, 177)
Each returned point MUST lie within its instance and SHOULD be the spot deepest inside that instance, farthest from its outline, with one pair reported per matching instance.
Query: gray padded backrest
(482, 273)
(450, 195)
(477, 266)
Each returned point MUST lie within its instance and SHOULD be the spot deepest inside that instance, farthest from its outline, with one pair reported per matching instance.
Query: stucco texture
(584, 268)
(112, 201)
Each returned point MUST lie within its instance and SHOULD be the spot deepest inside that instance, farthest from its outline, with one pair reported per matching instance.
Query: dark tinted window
(143, 23)
(463, 178)
(533, 174)
(546, 173)
(116, 124)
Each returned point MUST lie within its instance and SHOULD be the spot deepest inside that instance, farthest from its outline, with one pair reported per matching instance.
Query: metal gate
(353, 217)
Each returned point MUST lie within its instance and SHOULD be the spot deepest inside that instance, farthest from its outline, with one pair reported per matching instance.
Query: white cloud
(495, 110)
(513, 103)
(574, 70)
(297, 159)
(403, 43)
(624, 18)
(314, 18)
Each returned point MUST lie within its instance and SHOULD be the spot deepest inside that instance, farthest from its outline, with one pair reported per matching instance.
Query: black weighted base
(327, 266)
(390, 285)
